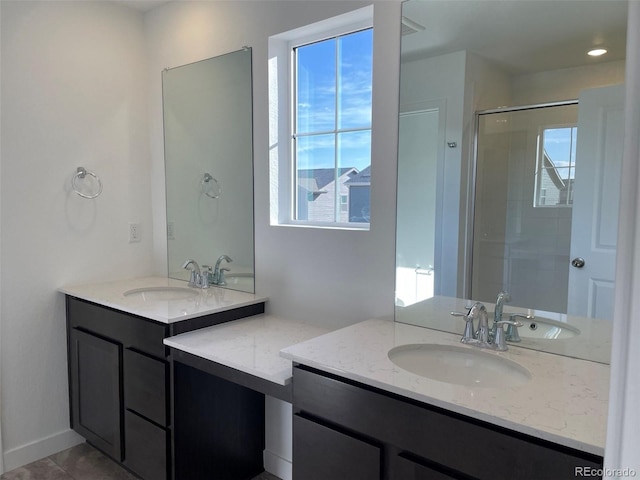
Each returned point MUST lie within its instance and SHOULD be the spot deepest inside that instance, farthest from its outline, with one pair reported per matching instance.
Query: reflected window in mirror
(320, 123)
(556, 166)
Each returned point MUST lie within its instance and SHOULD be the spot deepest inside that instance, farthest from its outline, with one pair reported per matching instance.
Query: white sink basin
(154, 294)
(459, 365)
(546, 328)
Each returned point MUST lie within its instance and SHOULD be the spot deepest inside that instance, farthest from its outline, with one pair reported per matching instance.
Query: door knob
(577, 262)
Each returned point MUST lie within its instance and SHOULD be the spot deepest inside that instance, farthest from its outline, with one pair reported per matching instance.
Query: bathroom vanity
(221, 375)
(359, 416)
(119, 376)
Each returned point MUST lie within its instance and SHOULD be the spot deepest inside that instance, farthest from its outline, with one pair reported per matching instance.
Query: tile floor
(82, 462)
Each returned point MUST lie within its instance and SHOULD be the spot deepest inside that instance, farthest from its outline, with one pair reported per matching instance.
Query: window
(556, 167)
(320, 101)
(332, 123)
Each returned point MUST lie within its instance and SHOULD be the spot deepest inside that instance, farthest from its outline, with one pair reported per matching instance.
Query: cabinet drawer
(146, 447)
(443, 437)
(145, 386)
(136, 332)
(321, 453)
(408, 469)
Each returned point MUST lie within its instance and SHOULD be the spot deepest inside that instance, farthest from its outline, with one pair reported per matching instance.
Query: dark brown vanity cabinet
(346, 430)
(119, 382)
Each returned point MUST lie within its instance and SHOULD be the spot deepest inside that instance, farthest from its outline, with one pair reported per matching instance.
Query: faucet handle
(500, 340)
(512, 334)
(221, 280)
(468, 335)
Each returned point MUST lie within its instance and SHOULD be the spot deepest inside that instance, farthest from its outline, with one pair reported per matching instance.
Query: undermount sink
(459, 365)
(545, 328)
(162, 293)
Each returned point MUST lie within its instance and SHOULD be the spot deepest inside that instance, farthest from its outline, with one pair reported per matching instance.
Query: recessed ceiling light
(596, 52)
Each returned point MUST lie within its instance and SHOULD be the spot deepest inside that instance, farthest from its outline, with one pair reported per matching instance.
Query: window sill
(363, 227)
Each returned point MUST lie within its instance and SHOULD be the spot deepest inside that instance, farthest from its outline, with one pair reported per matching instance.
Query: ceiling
(523, 36)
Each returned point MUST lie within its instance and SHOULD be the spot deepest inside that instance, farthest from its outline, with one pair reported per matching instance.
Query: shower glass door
(525, 178)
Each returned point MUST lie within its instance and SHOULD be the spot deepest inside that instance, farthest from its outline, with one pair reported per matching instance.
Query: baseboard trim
(278, 466)
(30, 452)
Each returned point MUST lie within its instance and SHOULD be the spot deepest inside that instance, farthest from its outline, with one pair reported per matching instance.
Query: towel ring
(205, 186)
(81, 172)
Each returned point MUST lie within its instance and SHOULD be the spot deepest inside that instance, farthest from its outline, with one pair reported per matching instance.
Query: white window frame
(281, 113)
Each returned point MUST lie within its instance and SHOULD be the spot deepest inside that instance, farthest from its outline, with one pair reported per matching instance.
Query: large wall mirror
(510, 148)
(208, 135)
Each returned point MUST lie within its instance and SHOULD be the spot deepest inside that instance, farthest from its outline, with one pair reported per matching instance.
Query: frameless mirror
(208, 135)
(509, 160)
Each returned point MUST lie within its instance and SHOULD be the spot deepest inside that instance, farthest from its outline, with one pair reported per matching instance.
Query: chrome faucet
(481, 337)
(503, 297)
(195, 279)
(218, 273)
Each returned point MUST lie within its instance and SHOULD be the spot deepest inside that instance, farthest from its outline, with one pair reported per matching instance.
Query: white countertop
(565, 401)
(251, 345)
(204, 301)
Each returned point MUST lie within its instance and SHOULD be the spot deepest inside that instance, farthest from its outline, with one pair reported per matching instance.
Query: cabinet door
(96, 397)
(321, 453)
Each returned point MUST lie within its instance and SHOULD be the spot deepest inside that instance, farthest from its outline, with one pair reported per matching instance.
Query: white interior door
(416, 219)
(594, 223)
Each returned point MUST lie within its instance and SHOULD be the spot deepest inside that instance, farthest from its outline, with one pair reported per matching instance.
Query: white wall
(564, 84)
(73, 94)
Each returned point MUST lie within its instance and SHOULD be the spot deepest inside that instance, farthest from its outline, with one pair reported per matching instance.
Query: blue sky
(319, 93)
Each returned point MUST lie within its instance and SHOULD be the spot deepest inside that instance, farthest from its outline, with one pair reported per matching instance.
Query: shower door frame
(473, 167)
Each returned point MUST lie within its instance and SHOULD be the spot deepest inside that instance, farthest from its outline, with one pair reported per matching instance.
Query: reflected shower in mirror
(509, 157)
(208, 132)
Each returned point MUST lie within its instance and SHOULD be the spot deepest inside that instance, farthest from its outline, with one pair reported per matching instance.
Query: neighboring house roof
(553, 172)
(360, 178)
(309, 184)
(314, 179)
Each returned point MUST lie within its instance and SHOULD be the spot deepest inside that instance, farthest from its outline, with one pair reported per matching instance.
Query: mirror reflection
(208, 130)
(510, 146)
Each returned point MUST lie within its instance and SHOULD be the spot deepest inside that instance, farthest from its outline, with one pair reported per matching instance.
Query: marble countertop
(565, 401)
(202, 302)
(251, 345)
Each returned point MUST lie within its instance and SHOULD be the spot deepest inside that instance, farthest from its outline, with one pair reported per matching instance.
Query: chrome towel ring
(211, 190)
(81, 173)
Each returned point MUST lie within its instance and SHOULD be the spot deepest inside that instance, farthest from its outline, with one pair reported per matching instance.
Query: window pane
(316, 87)
(354, 79)
(354, 149)
(556, 169)
(354, 161)
(558, 145)
(315, 173)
